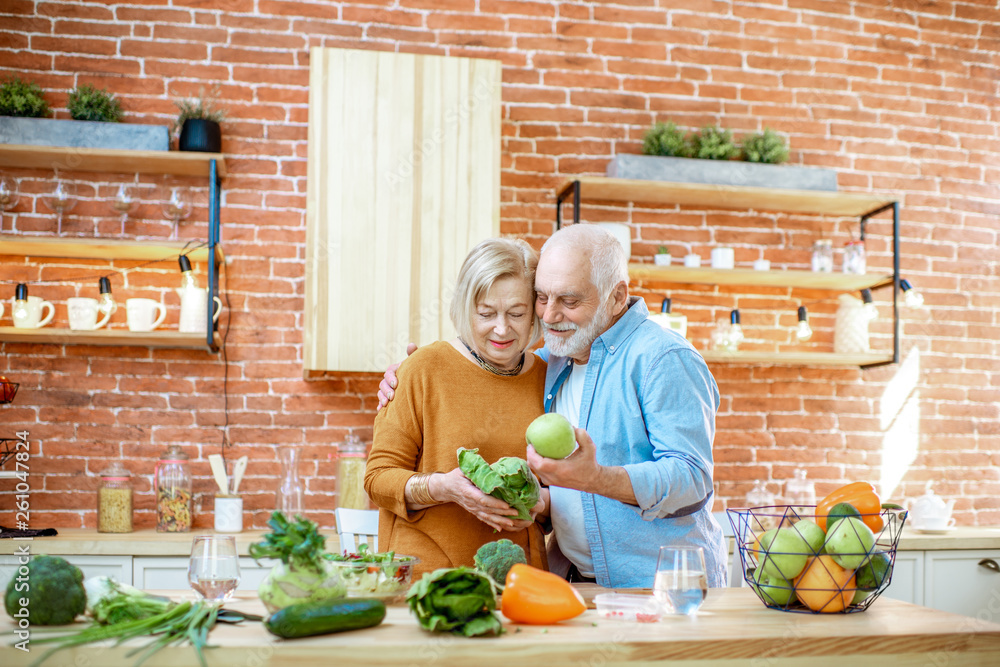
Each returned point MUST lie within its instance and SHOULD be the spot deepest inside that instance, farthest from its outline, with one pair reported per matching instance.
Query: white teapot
(931, 512)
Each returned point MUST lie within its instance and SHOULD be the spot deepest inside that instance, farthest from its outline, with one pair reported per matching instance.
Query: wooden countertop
(732, 628)
(83, 541)
(88, 542)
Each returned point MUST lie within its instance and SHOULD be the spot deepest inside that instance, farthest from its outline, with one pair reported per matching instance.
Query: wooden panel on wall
(404, 179)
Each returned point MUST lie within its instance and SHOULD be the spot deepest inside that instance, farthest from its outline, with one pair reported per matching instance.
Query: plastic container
(631, 608)
(114, 500)
(172, 482)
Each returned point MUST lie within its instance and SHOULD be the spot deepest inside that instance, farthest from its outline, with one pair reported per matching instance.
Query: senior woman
(479, 390)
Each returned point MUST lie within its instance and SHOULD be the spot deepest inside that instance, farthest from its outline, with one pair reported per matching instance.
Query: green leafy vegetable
(496, 559)
(297, 544)
(458, 600)
(50, 591)
(110, 602)
(509, 479)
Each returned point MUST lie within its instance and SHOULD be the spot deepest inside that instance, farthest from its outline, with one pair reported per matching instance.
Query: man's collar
(626, 324)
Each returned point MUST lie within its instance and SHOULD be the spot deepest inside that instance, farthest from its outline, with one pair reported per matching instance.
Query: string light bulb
(735, 330)
(107, 304)
(869, 309)
(187, 275)
(911, 297)
(20, 311)
(803, 331)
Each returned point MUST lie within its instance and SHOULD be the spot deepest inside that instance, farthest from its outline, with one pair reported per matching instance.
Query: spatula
(219, 470)
(238, 469)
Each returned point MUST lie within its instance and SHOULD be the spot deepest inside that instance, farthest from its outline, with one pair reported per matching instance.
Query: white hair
(608, 263)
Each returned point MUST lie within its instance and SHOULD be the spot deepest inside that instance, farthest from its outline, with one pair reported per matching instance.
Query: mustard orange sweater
(445, 401)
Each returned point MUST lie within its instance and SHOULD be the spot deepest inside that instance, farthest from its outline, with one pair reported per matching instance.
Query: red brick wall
(900, 98)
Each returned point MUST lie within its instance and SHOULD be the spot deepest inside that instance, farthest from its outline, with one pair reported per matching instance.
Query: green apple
(850, 542)
(551, 435)
(812, 534)
(774, 590)
(786, 553)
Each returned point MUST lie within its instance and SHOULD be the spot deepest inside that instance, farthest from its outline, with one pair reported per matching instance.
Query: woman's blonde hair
(488, 262)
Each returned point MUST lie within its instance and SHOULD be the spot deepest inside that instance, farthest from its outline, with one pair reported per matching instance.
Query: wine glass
(61, 199)
(214, 569)
(124, 201)
(177, 206)
(8, 194)
(681, 582)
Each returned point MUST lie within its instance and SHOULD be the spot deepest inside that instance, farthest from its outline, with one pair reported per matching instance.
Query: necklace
(490, 367)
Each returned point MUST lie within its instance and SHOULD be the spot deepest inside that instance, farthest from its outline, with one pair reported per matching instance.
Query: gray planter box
(83, 134)
(721, 172)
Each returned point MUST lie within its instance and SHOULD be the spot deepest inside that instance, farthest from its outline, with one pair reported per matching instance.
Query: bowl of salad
(386, 576)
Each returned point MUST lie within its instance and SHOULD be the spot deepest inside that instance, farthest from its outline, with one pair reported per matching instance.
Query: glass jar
(822, 257)
(799, 490)
(854, 257)
(289, 496)
(351, 459)
(114, 500)
(172, 483)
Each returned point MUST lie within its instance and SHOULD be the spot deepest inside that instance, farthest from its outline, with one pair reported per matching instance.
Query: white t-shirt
(567, 504)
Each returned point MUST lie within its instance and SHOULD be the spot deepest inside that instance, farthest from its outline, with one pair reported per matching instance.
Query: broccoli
(50, 588)
(496, 558)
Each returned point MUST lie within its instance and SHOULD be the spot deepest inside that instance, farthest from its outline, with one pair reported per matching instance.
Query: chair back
(355, 527)
(735, 564)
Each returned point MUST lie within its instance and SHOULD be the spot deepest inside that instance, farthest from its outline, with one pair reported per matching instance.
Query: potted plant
(662, 256)
(198, 123)
(88, 103)
(23, 121)
(710, 156)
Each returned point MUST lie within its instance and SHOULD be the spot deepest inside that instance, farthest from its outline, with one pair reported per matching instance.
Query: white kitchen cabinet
(170, 573)
(117, 567)
(963, 581)
(907, 582)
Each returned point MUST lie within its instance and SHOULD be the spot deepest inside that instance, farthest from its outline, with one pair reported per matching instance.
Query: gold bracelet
(419, 492)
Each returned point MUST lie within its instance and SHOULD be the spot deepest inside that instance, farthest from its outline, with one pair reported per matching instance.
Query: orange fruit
(825, 586)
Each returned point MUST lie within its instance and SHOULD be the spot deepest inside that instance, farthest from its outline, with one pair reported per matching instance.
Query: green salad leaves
(459, 600)
(509, 479)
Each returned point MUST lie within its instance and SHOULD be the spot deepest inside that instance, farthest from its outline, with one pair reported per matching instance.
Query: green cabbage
(509, 479)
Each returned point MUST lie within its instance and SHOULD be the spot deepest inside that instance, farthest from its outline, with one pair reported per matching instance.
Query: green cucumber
(325, 617)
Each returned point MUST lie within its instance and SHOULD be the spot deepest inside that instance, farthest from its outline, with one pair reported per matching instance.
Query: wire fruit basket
(8, 390)
(794, 561)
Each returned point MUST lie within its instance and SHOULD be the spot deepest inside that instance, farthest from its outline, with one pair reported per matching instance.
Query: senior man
(644, 404)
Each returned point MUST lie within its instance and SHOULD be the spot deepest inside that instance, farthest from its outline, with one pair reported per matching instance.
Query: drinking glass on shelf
(681, 582)
(123, 202)
(214, 569)
(61, 199)
(8, 195)
(177, 206)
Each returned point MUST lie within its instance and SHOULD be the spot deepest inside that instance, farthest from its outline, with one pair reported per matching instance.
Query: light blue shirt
(649, 403)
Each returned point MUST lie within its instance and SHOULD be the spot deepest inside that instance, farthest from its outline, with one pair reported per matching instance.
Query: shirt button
(612, 348)
(549, 397)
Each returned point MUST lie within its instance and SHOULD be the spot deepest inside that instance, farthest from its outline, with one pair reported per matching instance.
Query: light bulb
(735, 330)
(869, 309)
(107, 304)
(20, 310)
(911, 297)
(803, 331)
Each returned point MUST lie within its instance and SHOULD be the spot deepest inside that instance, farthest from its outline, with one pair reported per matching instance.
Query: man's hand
(455, 487)
(581, 471)
(388, 383)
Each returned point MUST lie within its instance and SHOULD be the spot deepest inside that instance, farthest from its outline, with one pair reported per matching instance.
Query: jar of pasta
(114, 500)
(172, 484)
(351, 458)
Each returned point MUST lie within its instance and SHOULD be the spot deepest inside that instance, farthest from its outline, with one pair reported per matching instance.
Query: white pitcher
(851, 333)
(194, 302)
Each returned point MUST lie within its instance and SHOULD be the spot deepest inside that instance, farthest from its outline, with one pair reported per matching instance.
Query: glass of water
(681, 582)
(214, 569)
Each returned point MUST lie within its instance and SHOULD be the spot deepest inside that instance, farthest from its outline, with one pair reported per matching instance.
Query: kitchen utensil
(219, 471)
(228, 513)
(239, 468)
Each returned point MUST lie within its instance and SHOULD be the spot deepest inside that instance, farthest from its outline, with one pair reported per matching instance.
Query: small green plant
(202, 107)
(23, 99)
(767, 146)
(662, 250)
(714, 143)
(667, 140)
(88, 103)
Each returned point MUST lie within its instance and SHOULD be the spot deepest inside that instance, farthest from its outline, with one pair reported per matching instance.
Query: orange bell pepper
(537, 597)
(860, 494)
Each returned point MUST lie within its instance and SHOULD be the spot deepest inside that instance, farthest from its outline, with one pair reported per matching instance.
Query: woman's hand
(454, 487)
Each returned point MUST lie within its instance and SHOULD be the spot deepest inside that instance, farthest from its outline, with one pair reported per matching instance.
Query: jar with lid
(351, 459)
(799, 490)
(822, 257)
(172, 484)
(114, 500)
(854, 257)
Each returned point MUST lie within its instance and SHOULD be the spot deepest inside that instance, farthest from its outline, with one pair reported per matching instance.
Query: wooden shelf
(844, 282)
(797, 358)
(118, 337)
(818, 202)
(104, 249)
(175, 163)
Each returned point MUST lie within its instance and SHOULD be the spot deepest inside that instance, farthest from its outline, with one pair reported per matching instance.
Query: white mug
(692, 260)
(140, 314)
(29, 316)
(723, 258)
(228, 514)
(193, 305)
(83, 314)
(762, 265)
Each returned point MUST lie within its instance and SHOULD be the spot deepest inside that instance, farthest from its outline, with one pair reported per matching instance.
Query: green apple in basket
(785, 552)
(850, 542)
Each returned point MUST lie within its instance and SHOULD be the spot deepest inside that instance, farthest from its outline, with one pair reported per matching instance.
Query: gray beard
(582, 338)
